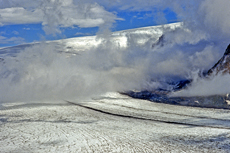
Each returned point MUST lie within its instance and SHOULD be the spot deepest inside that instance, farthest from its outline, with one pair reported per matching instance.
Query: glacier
(64, 95)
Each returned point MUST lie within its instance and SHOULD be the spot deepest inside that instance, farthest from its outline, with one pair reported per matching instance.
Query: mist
(216, 85)
(43, 72)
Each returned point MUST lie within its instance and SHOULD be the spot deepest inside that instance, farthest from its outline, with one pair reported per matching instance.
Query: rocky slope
(214, 101)
(223, 65)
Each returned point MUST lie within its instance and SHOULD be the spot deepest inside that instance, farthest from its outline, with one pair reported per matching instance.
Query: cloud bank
(207, 15)
(38, 72)
(53, 14)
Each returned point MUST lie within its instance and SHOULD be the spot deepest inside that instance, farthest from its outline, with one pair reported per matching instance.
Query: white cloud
(19, 15)
(54, 14)
(106, 68)
(83, 15)
(26, 28)
(211, 16)
(14, 40)
(216, 15)
(15, 32)
(82, 34)
(218, 85)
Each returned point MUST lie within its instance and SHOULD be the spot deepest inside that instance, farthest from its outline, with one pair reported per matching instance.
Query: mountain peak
(227, 52)
(223, 65)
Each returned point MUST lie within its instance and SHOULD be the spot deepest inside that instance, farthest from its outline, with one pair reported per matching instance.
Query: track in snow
(117, 124)
(163, 121)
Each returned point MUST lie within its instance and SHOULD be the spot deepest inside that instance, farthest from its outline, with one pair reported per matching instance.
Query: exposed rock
(160, 42)
(214, 101)
(223, 65)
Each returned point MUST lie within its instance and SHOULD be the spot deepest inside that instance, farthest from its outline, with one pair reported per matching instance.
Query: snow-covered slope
(140, 36)
(112, 123)
(119, 38)
(50, 103)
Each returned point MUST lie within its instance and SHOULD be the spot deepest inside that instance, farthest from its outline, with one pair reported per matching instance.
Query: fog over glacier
(135, 59)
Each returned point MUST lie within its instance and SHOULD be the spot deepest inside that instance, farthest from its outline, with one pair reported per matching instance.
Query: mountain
(155, 37)
(223, 65)
(163, 95)
(138, 36)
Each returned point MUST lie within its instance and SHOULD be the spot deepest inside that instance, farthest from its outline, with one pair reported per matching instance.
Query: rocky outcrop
(214, 101)
(160, 42)
(223, 65)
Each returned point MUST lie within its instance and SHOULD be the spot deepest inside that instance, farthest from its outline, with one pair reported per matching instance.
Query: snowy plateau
(53, 101)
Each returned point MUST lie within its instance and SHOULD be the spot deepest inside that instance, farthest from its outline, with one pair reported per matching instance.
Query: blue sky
(32, 28)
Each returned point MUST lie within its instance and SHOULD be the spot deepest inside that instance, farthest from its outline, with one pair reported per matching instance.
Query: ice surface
(112, 123)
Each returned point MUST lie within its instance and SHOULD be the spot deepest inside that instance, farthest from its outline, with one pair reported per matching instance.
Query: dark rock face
(214, 101)
(160, 42)
(223, 65)
(227, 52)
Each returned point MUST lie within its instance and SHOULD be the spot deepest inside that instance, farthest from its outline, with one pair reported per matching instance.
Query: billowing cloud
(210, 16)
(45, 73)
(54, 14)
(216, 15)
(84, 15)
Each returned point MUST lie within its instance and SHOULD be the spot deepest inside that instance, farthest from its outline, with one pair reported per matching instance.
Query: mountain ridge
(223, 65)
(213, 101)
